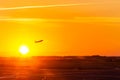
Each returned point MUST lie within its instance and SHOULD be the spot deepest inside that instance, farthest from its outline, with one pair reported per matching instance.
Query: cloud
(46, 6)
(76, 19)
(61, 5)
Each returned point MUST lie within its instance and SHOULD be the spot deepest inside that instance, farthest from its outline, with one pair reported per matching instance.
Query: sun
(23, 50)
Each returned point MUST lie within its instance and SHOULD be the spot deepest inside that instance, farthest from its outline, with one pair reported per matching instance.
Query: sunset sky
(68, 27)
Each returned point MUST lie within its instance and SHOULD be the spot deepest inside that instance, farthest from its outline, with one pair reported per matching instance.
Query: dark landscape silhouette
(60, 68)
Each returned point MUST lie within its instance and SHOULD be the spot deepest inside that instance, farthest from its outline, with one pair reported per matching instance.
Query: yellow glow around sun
(23, 50)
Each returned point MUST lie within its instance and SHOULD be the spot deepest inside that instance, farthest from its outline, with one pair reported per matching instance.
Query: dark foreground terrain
(60, 68)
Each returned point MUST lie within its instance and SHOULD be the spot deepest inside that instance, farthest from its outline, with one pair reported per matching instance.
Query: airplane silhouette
(38, 41)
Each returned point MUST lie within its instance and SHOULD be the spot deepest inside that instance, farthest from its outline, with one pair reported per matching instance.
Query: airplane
(38, 41)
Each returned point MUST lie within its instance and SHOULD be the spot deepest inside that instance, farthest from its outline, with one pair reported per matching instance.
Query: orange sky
(88, 28)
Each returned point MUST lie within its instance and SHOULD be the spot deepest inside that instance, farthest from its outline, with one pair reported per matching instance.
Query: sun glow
(23, 50)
